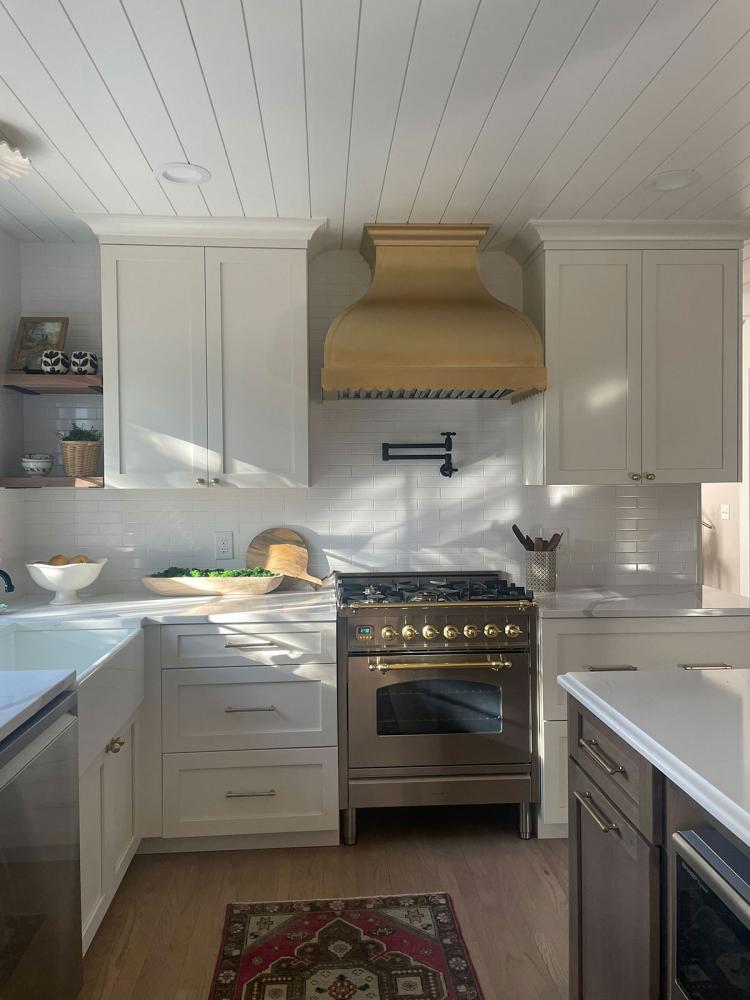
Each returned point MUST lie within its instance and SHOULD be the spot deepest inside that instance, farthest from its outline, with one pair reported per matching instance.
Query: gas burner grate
(427, 589)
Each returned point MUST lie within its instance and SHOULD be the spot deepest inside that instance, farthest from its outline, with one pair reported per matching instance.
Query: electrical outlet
(724, 511)
(223, 545)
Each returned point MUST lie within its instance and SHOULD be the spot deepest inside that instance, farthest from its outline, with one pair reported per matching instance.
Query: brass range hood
(427, 328)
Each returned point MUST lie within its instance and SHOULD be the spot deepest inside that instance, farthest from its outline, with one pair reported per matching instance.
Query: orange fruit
(58, 561)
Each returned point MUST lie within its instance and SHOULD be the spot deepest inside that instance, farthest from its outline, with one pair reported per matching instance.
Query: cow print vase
(84, 363)
(55, 363)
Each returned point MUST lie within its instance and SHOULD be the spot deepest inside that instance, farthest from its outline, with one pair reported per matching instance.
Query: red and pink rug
(378, 948)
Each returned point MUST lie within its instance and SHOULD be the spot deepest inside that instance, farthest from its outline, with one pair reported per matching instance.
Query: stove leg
(350, 826)
(526, 820)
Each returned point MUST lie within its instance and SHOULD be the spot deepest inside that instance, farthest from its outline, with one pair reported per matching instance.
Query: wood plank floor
(160, 938)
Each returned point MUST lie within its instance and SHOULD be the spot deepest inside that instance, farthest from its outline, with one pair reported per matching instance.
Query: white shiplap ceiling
(358, 110)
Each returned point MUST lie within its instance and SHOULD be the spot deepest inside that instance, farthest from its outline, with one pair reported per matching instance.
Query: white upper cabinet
(256, 325)
(154, 348)
(691, 328)
(205, 352)
(642, 344)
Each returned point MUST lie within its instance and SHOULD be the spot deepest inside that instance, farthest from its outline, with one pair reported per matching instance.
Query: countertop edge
(37, 701)
(720, 806)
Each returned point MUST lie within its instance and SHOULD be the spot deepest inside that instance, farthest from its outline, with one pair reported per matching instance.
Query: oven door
(709, 902)
(423, 710)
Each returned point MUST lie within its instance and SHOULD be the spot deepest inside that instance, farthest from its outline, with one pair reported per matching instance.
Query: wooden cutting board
(281, 550)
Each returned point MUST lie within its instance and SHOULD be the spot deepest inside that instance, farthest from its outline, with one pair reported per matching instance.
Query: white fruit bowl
(65, 580)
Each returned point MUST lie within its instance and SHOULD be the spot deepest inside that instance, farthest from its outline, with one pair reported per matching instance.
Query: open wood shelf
(36, 482)
(39, 384)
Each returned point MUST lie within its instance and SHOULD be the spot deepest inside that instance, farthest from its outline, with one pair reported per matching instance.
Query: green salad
(225, 573)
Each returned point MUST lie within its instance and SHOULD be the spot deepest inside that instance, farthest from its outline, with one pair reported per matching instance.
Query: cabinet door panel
(154, 346)
(93, 888)
(690, 364)
(118, 807)
(592, 337)
(614, 901)
(257, 366)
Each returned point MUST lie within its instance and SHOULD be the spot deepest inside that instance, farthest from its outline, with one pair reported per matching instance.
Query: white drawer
(249, 708)
(235, 645)
(250, 791)
(554, 757)
(645, 643)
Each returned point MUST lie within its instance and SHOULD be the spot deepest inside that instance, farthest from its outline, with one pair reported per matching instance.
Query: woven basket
(80, 458)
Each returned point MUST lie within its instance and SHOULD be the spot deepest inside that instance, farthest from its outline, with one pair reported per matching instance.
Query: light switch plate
(724, 512)
(223, 545)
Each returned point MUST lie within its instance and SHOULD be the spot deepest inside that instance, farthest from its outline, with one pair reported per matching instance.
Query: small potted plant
(80, 448)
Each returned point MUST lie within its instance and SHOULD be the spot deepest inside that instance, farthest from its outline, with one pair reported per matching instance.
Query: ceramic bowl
(213, 586)
(65, 580)
(37, 464)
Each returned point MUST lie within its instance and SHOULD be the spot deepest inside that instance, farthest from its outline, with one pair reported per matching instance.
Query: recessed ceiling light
(672, 180)
(183, 173)
(12, 162)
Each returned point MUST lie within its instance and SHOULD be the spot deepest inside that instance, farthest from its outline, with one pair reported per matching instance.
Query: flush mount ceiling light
(12, 162)
(671, 180)
(183, 173)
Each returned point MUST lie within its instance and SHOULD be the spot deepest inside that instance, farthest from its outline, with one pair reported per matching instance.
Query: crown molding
(175, 230)
(571, 234)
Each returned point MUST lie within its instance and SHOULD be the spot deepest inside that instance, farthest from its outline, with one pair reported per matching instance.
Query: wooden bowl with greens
(183, 581)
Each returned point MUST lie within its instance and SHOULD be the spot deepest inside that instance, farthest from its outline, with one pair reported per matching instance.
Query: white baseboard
(245, 842)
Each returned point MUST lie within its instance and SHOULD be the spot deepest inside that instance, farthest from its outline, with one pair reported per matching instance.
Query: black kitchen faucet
(7, 582)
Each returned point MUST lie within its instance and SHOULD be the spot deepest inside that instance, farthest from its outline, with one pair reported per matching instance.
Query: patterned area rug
(378, 948)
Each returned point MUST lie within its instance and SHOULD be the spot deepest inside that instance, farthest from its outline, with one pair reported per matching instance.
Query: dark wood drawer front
(614, 898)
(623, 775)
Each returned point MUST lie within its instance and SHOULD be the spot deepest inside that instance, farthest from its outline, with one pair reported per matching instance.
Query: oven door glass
(712, 947)
(438, 706)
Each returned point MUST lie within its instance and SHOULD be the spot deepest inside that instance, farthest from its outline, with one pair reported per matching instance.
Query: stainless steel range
(438, 692)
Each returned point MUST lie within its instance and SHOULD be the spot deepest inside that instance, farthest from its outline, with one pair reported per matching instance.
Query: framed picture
(37, 334)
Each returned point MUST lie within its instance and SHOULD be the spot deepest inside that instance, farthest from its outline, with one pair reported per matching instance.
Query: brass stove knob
(409, 632)
(491, 631)
(430, 632)
(389, 633)
(451, 632)
(471, 631)
(513, 631)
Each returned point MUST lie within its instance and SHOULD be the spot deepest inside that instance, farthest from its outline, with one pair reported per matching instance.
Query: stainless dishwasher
(40, 896)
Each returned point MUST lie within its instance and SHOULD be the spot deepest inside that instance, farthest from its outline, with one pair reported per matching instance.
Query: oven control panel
(432, 630)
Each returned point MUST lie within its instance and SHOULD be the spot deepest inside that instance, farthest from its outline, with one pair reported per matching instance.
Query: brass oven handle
(383, 668)
(264, 708)
(705, 666)
(251, 795)
(604, 824)
(591, 747)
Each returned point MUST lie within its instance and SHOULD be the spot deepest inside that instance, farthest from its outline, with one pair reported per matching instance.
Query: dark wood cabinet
(614, 899)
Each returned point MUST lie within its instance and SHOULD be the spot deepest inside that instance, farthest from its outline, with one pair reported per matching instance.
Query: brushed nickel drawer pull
(705, 666)
(592, 748)
(604, 824)
(263, 708)
(383, 668)
(251, 795)
(605, 668)
(250, 645)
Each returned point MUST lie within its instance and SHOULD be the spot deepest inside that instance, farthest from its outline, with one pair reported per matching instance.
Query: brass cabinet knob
(389, 633)
(430, 632)
(513, 631)
(635, 476)
(471, 631)
(409, 632)
(200, 481)
(115, 745)
(451, 632)
(491, 631)
(650, 476)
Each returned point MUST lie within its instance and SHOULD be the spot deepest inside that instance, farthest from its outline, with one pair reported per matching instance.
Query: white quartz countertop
(641, 602)
(693, 727)
(23, 693)
(136, 609)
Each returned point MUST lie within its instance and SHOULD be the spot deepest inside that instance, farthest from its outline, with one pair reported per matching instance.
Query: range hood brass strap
(383, 668)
